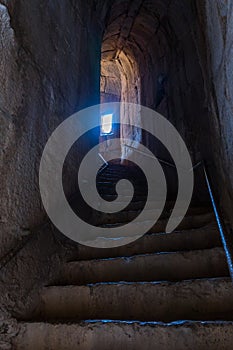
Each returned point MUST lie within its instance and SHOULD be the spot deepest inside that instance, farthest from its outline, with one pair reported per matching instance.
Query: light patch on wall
(106, 124)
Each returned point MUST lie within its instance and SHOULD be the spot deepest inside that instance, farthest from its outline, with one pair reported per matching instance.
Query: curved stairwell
(164, 291)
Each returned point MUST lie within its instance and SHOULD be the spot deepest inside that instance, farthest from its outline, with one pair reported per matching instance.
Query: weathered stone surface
(204, 299)
(216, 52)
(151, 267)
(201, 238)
(105, 335)
(49, 69)
(9, 328)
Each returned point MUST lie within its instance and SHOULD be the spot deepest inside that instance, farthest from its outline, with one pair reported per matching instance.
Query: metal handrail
(162, 160)
(100, 155)
(148, 155)
(219, 222)
(105, 162)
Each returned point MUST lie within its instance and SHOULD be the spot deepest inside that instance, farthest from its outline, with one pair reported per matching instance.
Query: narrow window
(106, 124)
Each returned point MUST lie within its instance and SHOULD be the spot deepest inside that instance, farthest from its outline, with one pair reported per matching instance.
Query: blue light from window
(106, 124)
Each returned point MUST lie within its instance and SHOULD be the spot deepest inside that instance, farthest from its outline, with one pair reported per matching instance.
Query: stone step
(105, 335)
(124, 216)
(111, 191)
(152, 267)
(112, 177)
(188, 223)
(139, 205)
(205, 237)
(124, 198)
(129, 215)
(109, 183)
(120, 172)
(199, 299)
(125, 232)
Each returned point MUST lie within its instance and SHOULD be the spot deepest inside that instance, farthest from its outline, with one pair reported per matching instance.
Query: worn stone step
(137, 206)
(199, 299)
(188, 222)
(152, 267)
(110, 180)
(111, 191)
(124, 216)
(205, 237)
(120, 172)
(124, 198)
(110, 183)
(125, 233)
(148, 214)
(105, 335)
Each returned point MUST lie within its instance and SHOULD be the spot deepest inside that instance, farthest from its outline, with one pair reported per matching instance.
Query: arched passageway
(120, 82)
(150, 57)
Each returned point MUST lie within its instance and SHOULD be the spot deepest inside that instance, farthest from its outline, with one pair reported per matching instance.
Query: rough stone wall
(216, 53)
(49, 69)
(110, 83)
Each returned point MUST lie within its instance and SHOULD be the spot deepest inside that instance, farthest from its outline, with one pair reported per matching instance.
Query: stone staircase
(164, 291)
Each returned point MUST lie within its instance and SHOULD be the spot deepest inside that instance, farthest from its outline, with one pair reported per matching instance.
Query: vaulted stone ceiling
(149, 32)
(134, 25)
